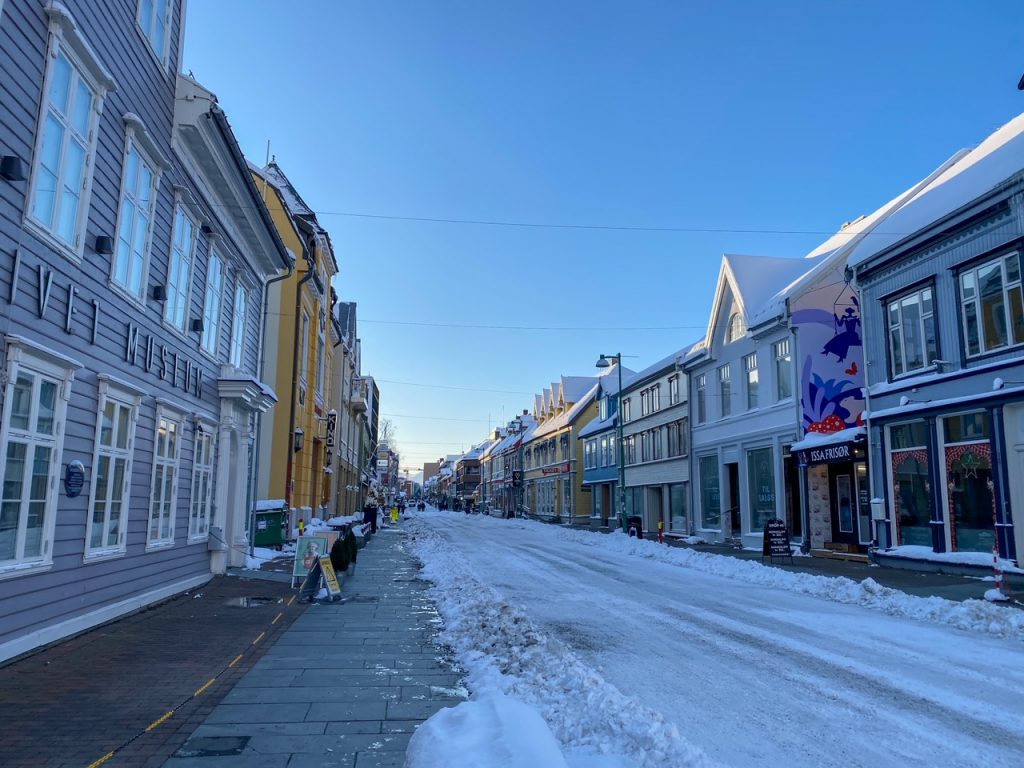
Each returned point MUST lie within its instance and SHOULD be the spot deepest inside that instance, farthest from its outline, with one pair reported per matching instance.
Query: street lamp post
(603, 362)
(520, 428)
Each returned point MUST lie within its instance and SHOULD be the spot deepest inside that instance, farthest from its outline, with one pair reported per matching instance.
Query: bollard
(661, 526)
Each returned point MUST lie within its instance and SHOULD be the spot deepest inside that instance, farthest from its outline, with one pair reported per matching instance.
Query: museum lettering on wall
(140, 349)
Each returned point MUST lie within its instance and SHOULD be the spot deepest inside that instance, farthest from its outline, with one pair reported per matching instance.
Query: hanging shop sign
(555, 470)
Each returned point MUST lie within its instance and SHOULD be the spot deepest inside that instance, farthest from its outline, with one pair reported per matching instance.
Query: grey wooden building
(943, 308)
(134, 253)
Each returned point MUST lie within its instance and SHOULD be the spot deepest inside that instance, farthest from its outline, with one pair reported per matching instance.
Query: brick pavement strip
(72, 703)
(346, 685)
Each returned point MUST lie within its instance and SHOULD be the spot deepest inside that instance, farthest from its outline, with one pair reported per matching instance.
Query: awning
(828, 449)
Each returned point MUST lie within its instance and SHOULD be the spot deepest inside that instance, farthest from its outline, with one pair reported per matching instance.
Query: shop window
(969, 483)
(761, 485)
(710, 493)
(677, 495)
(912, 491)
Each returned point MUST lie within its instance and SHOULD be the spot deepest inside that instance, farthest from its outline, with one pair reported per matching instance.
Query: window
(320, 355)
(645, 403)
(725, 390)
(166, 452)
(911, 485)
(656, 398)
(238, 325)
(673, 390)
(35, 403)
(677, 438)
(153, 18)
(656, 450)
(613, 457)
(202, 485)
(66, 139)
(710, 495)
(761, 485)
(992, 305)
(179, 270)
(783, 370)
(112, 468)
(589, 452)
(750, 366)
(211, 304)
(630, 449)
(304, 349)
(911, 327)
(645, 446)
(625, 410)
(735, 330)
(700, 385)
(134, 221)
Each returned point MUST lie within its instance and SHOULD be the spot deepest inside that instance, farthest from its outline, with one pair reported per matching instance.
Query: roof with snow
(666, 362)
(967, 176)
(567, 418)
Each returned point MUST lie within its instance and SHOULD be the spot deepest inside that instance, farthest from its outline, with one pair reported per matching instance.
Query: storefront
(836, 498)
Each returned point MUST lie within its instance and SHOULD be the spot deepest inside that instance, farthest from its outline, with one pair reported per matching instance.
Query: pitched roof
(965, 177)
(661, 365)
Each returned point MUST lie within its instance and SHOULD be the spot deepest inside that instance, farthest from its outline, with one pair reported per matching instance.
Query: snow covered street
(640, 655)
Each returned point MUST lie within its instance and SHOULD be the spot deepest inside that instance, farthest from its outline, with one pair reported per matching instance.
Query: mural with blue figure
(831, 358)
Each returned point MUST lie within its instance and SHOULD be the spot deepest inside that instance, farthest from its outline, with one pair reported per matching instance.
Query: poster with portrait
(308, 549)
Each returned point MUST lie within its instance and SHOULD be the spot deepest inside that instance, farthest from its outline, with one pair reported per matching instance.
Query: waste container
(635, 526)
(269, 525)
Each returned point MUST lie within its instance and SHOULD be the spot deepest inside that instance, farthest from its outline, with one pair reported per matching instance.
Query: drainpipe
(295, 361)
(259, 414)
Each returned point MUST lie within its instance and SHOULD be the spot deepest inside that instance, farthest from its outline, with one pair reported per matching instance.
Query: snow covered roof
(666, 362)
(567, 418)
(598, 425)
(818, 440)
(575, 387)
(967, 176)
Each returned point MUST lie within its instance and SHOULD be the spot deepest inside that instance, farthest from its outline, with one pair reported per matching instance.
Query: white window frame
(321, 356)
(673, 390)
(183, 289)
(145, 26)
(121, 395)
(700, 386)
(212, 304)
(735, 330)
(1008, 287)
(753, 380)
(783, 369)
(44, 365)
(204, 461)
(239, 322)
(65, 39)
(901, 326)
(304, 350)
(134, 144)
(725, 391)
(162, 461)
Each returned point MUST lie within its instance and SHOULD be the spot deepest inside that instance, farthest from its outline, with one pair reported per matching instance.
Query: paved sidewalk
(77, 702)
(345, 686)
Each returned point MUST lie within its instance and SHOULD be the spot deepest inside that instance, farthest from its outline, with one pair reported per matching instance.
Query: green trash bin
(269, 524)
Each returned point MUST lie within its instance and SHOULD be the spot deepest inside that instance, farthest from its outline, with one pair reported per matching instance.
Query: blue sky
(788, 117)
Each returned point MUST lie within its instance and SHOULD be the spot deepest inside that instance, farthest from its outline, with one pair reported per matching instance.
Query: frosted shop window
(969, 491)
(911, 486)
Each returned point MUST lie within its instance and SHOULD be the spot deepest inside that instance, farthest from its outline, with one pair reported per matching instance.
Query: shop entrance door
(844, 507)
(733, 517)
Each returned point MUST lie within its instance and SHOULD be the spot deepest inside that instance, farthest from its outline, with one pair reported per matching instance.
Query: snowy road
(750, 674)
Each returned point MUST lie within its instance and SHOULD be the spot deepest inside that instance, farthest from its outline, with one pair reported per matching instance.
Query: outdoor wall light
(297, 439)
(11, 168)
(104, 245)
(159, 293)
(197, 325)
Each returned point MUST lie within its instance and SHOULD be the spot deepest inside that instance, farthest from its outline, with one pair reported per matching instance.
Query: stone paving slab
(346, 685)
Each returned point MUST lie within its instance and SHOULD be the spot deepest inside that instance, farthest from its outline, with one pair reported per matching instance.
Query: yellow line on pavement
(102, 760)
(276, 618)
(258, 637)
(235, 660)
(159, 721)
(209, 682)
(291, 600)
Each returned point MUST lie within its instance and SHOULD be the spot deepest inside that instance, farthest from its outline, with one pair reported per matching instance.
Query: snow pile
(261, 555)
(974, 615)
(504, 652)
(983, 559)
(491, 730)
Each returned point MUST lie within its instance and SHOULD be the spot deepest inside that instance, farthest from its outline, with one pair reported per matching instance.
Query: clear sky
(748, 127)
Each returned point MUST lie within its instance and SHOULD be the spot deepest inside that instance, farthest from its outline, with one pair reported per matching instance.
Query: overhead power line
(445, 386)
(538, 327)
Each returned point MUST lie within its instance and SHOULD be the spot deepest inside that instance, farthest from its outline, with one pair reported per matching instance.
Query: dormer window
(735, 330)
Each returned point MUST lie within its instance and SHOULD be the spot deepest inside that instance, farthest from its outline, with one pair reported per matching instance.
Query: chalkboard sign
(776, 541)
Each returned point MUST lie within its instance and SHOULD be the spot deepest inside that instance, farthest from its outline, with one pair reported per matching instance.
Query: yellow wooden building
(300, 341)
